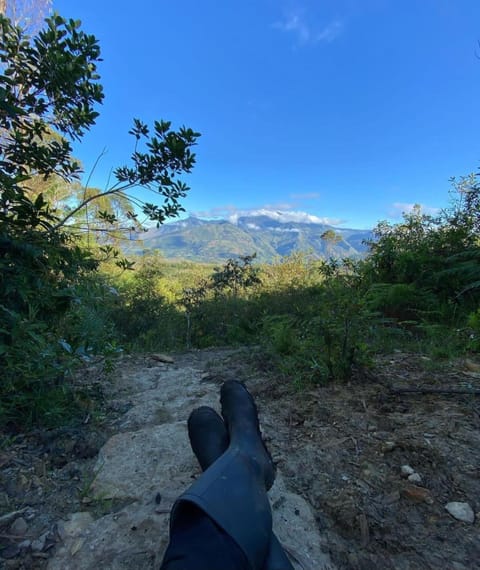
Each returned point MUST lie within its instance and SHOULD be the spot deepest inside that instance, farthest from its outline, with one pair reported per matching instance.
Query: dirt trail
(99, 497)
(147, 463)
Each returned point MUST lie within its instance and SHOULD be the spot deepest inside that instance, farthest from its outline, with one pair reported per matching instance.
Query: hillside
(269, 234)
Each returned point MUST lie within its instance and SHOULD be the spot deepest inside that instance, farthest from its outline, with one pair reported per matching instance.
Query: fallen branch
(8, 518)
(428, 390)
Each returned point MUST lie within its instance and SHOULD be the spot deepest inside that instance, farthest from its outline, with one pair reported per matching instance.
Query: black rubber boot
(209, 440)
(241, 418)
(208, 435)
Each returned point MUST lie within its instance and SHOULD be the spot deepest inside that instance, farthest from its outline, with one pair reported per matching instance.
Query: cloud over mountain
(268, 233)
(275, 212)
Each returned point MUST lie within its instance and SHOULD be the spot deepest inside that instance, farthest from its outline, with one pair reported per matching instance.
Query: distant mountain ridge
(268, 234)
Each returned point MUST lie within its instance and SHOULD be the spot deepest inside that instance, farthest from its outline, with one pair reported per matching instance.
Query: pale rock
(388, 446)
(39, 544)
(406, 471)
(415, 478)
(471, 365)
(74, 525)
(163, 358)
(461, 511)
(76, 546)
(153, 457)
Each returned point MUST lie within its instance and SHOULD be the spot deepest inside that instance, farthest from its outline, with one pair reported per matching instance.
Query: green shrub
(52, 315)
(143, 319)
(280, 332)
(34, 369)
(474, 332)
(399, 301)
(323, 332)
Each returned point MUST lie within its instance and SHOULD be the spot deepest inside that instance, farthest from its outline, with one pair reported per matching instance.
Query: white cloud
(399, 208)
(282, 216)
(280, 212)
(297, 25)
(283, 230)
(330, 32)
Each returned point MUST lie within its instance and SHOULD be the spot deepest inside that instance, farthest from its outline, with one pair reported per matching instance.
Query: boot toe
(208, 435)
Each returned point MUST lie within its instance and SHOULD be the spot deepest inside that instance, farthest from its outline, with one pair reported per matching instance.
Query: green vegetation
(52, 299)
(418, 290)
(67, 295)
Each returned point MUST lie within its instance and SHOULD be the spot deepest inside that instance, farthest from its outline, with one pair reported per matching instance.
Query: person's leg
(195, 535)
(233, 490)
(209, 439)
(196, 542)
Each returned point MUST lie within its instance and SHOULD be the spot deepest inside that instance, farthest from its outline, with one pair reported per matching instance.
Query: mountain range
(269, 234)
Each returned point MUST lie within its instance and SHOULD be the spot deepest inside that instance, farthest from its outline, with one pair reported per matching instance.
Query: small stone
(29, 514)
(406, 471)
(415, 478)
(163, 358)
(388, 446)
(418, 494)
(19, 527)
(39, 544)
(461, 511)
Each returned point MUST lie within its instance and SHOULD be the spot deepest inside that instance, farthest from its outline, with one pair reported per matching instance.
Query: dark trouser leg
(198, 543)
(231, 492)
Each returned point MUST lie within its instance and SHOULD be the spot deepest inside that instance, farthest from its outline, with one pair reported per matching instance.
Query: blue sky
(349, 110)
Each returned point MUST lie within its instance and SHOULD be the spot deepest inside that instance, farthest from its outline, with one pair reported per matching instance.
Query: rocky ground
(369, 476)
